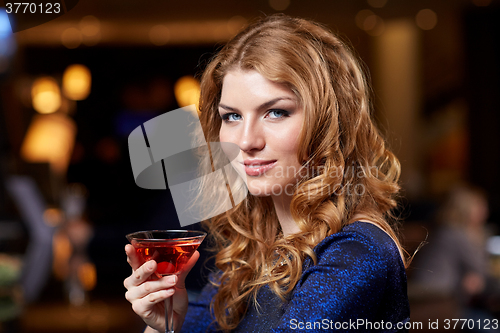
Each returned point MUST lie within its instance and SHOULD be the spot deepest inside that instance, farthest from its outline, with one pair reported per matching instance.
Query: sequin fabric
(358, 285)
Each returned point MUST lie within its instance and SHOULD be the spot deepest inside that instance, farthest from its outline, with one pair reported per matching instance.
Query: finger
(132, 257)
(145, 305)
(140, 275)
(150, 287)
(186, 269)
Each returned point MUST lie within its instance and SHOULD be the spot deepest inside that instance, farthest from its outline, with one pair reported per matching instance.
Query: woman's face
(264, 120)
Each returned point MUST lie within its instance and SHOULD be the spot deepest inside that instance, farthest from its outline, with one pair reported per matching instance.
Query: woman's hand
(148, 293)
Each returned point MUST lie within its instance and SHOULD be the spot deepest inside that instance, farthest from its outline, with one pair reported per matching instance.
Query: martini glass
(171, 249)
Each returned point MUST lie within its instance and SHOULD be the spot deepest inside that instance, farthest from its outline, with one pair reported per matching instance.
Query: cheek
(289, 139)
(289, 152)
(224, 135)
(228, 134)
(289, 143)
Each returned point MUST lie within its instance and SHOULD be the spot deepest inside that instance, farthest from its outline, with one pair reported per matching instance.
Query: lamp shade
(50, 138)
(76, 82)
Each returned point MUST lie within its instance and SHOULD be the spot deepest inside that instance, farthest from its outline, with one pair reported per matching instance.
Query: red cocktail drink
(171, 249)
(170, 255)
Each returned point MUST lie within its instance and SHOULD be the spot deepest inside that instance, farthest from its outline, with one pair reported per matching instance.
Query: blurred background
(72, 89)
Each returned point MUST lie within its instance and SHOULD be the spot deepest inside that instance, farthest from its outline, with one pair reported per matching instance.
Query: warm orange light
(378, 26)
(159, 35)
(235, 24)
(50, 139)
(87, 275)
(62, 251)
(90, 26)
(45, 95)
(373, 24)
(361, 17)
(187, 91)
(426, 19)
(76, 82)
(279, 5)
(71, 38)
(53, 217)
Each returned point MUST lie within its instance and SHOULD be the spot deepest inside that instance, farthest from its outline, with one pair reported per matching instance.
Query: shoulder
(359, 274)
(359, 242)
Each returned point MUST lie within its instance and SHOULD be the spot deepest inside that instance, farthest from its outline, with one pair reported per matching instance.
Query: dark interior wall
(482, 36)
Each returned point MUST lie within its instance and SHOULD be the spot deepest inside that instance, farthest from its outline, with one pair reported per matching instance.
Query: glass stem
(169, 316)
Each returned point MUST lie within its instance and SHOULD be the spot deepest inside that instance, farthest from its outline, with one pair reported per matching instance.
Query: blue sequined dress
(358, 285)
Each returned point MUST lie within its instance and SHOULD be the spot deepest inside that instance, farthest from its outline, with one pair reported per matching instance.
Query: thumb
(132, 257)
(186, 269)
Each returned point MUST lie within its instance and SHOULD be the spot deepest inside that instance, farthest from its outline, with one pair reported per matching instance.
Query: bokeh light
(87, 275)
(90, 28)
(426, 19)
(5, 29)
(76, 82)
(279, 5)
(45, 95)
(377, 3)
(187, 91)
(7, 42)
(49, 139)
(90, 25)
(71, 38)
(235, 24)
(159, 35)
(362, 16)
(378, 27)
(53, 217)
(61, 251)
(373, 24)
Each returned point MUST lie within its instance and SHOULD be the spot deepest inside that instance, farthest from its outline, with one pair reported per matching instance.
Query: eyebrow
(262, 106)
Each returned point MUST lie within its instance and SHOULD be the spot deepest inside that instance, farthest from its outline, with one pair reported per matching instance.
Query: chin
(264, 189)
(258, 192)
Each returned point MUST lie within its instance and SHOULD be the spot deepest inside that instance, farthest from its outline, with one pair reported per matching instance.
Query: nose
(252, 136)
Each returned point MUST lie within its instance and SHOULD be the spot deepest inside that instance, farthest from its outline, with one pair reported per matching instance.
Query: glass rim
(195, 234)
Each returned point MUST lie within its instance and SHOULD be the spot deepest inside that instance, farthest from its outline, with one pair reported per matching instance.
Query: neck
(282, 207)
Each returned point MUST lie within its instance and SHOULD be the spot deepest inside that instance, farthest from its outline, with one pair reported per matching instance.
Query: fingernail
(172, 279)
(150, 265)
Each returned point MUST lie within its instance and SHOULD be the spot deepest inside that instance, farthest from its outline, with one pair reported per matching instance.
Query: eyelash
(284, 113)
(225, 117)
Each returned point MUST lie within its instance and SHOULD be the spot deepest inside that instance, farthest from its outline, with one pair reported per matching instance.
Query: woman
(453, 268)
(310, 247)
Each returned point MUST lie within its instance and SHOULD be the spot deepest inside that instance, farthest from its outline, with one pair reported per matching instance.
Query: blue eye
(229, 117)
(278, 113)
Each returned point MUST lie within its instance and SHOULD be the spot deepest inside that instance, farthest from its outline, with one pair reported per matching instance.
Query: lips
(257, 167)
